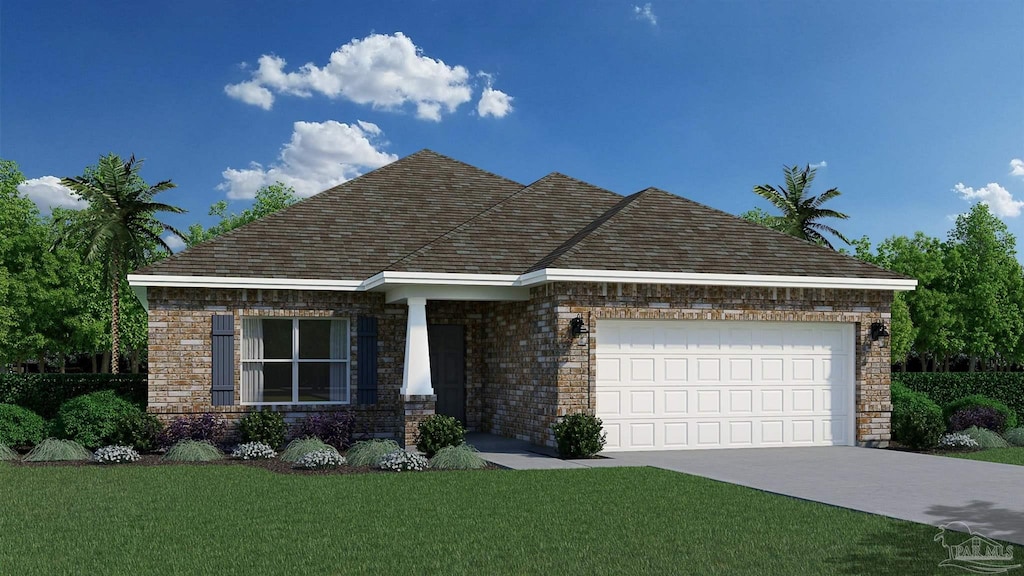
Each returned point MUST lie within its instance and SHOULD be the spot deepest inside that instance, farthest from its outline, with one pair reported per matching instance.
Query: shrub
(917, 422)
(979, 401)
(116, 455)
(1014, 437)
(20, 426)
(334, 428)
(579, 436)
(462, 457)
(95, 419)
(957, 441)
(369, 452)
(206, 428)
(980, 416)
(254, 451)
(264, 426)
(299, 447)
(946, 387)
(986, 438)
(193, 451)
(402, 461)
(57, 450)
(437, 431)
(7, 454)
(320, 460)
(141, 431)
(45, 393)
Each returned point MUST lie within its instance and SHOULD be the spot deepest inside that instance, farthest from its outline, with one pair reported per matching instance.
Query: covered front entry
(448, 368)
(684, 384)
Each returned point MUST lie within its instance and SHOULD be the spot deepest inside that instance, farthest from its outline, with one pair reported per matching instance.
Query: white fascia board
(457, 292)
(239, 282)
(771, 281)
(391, 279)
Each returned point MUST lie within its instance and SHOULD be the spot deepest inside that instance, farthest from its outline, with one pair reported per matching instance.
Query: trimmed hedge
(44, 393)
(917, 422)
(96, 419)
(947, 387)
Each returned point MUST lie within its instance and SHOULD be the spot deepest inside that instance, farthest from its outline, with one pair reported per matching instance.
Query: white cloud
(494, 103)
(318, 156)
(48, 193)
(645, 13)
(384, 71)
(174, 242)
(997, 198)
(1016, 167)
(821, 164)
(251, 93)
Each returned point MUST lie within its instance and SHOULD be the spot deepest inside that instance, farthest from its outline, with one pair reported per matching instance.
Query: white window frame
(295, 361)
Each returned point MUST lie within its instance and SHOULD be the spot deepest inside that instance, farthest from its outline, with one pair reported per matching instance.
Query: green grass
(1001, 455)
(57, 450)
(462, 457)
(369, 452)
(244, 520)
(7, 454)
(299, 447)
(193, 451)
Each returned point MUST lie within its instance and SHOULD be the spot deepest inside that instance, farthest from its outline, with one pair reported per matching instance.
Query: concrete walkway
(917, 487)
(521, 455)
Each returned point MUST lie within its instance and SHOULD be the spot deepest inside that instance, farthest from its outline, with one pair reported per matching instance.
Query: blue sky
(902, 101)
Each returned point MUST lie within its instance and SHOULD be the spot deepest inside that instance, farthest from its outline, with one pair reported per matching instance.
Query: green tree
(801, 212)
(269, 199)
(120, 225)
(984, 283)
(902, 331)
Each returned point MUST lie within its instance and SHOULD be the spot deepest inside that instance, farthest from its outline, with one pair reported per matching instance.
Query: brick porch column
(416, 409)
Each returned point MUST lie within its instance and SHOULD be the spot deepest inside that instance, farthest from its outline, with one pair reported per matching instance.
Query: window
(295, 361)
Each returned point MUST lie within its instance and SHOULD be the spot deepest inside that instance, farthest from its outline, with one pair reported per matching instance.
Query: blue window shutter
(223, 357)
(366, 349)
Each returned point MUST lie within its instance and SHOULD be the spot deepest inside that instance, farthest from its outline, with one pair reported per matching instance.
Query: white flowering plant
(320, 460)
(957, 441)
(116, 455)
(254, 451)
(402, 461)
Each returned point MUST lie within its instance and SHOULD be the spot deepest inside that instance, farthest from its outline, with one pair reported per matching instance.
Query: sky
(914, 110)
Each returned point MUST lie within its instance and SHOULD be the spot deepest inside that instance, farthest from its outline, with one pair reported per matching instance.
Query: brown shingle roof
(430, 213)
(513, 234)
(654, 230)
(351, 231)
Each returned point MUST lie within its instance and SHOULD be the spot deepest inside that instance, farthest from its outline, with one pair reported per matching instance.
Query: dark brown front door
(448, 368)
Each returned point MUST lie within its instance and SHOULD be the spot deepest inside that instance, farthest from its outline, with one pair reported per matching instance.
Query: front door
(448, 368)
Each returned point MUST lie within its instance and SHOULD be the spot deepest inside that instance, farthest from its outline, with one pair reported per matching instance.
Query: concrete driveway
(926, 489)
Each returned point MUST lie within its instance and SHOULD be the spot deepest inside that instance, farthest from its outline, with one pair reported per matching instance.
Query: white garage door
(678, 384)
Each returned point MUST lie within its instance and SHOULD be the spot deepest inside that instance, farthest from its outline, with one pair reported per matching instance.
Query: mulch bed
(274, 465)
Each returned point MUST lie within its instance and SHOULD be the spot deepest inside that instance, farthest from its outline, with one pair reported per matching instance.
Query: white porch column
(416, 377)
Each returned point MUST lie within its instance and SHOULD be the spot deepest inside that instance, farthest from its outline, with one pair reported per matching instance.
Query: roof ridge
(461, 163)
(572, 245)
(462, 226)
(737, 217)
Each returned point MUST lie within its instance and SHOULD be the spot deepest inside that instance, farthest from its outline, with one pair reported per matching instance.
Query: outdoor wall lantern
(577, 326)
(878, 330)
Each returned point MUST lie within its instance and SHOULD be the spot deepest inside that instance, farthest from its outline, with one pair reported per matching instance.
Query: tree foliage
(801, 213)
(269, 199)
(119, 228)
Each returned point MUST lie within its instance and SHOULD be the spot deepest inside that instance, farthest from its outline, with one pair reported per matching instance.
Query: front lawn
(1013, 455)
(243, 520)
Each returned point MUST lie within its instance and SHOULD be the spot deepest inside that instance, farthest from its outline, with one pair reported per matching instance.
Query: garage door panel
(714, 384)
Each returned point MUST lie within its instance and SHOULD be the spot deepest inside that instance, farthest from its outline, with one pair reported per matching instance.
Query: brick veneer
(415, 410)
(523, 370)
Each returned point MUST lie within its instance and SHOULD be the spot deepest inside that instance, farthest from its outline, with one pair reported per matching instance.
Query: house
(430, 285)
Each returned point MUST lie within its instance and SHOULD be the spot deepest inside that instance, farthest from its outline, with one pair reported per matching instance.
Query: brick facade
(523, 370)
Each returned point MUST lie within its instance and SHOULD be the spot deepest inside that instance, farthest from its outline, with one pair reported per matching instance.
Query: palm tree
(119, 227)
(801, 212)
